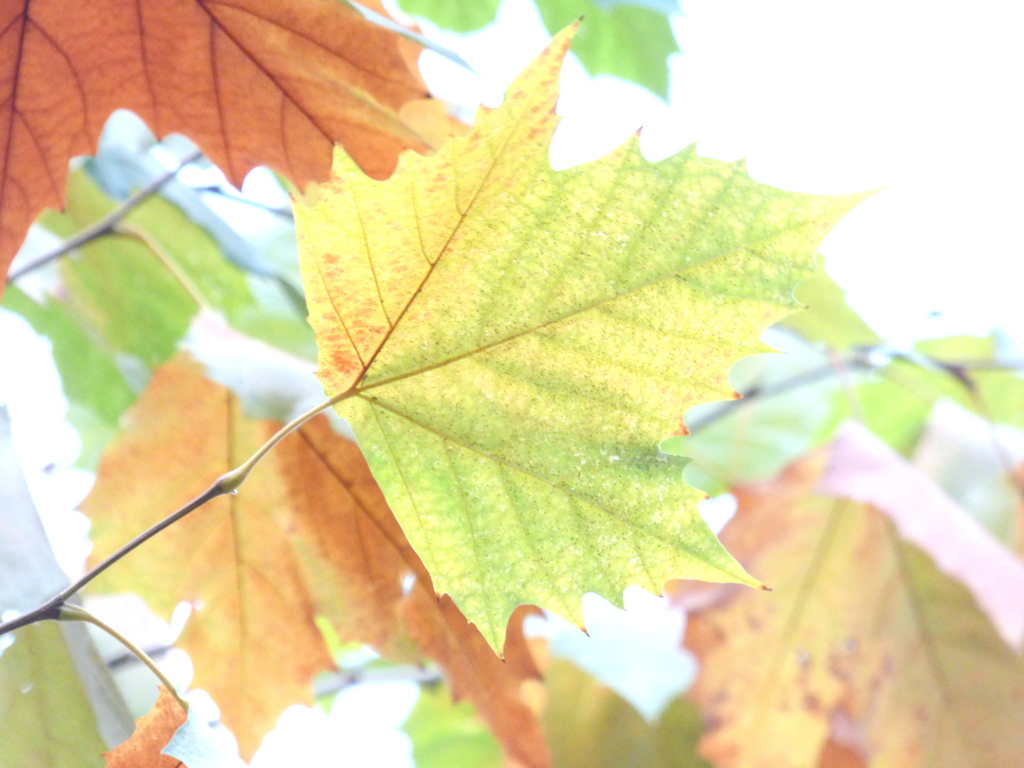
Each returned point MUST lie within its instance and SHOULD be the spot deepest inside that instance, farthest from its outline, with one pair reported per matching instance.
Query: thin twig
(231, 480)
(339, 681)
(106, 224)
(727, 407)
(226, 483)
(126, 659)
(209, 494)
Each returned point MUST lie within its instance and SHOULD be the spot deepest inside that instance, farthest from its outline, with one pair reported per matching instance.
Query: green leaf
(45, 715)
(139, 302)
(58, 705)
(444, 733)
(631, 40)
(589, 726)
(623, 40)
(455, 15)
(828, 321)
(97, 390)
(514, 342)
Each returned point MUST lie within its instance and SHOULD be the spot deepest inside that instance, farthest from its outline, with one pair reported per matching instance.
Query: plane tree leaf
(863, 647)
(308, 535)
(255, 82)
(513, 342)
(373, 587)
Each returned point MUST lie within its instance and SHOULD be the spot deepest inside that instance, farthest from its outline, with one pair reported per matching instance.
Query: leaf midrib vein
(561, 318)
(15, 88)
(447, 243)
(223, 29)
(675, 544)
(297, 33)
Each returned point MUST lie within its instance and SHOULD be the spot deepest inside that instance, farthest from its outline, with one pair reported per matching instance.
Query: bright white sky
(921, 98)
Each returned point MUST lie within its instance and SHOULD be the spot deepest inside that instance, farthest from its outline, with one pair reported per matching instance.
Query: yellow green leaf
(45, 717)
(513, 342)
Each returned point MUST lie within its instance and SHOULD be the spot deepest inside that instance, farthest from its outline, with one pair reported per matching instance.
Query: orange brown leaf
(152, 733)
(374, 588)
(253, 637)
(863, 649)
(252, 82)
(308, 535)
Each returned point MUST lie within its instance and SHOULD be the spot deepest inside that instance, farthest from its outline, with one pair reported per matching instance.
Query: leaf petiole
(230, 481)
(69, 612)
